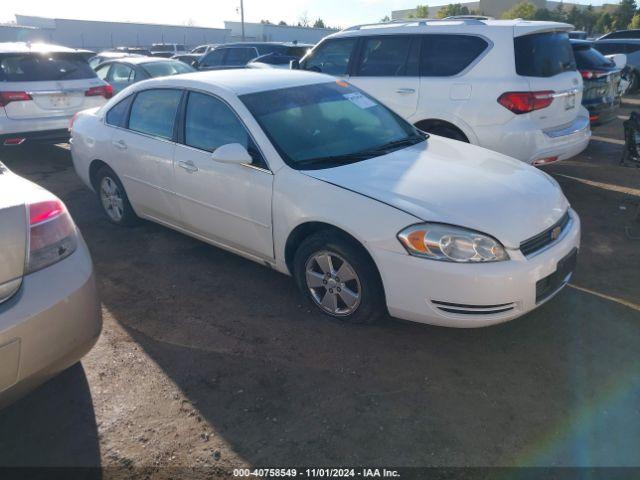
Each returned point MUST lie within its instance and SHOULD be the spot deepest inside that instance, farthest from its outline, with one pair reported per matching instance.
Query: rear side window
(165, 69)
(543, 54)
(41, 67)
(587, 58)
(625, 34)
(331, 57)
(154, 111)
(447, 55)
(117, 116)
(387, 56)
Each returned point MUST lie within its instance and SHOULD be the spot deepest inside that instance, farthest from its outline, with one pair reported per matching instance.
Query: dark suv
(237, 55)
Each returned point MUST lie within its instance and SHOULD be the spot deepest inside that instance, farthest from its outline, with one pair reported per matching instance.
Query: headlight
(451, 244)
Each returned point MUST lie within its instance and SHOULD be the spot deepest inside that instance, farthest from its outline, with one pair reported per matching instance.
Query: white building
(267, 32)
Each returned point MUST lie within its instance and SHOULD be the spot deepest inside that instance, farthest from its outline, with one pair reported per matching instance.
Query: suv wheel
(339, 279)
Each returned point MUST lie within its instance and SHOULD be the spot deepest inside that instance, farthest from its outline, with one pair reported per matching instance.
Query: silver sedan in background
(49, 309)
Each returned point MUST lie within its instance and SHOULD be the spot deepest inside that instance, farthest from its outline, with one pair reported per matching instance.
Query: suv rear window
(446, 55)
(587, 58)
(543, 54)
(41, 67)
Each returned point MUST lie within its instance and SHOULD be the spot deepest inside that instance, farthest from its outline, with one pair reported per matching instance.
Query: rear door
(386, 67)
(56, 83)
(238, 57)
(546, 60)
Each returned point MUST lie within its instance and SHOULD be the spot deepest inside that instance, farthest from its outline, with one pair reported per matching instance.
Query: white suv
(507, 85)
(41, 88)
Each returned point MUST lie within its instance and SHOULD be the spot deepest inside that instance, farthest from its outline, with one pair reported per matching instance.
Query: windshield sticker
(360, 100)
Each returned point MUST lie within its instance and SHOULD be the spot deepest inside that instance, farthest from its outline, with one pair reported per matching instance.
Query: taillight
(52, 234)
(105, 91)
(7, 97)
(525, 102)
(591, 74)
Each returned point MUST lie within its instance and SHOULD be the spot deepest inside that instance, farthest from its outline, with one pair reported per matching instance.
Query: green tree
(319, 23)
(422, 11)
(624, 13)
(635, 21)
(523, 10)
(282, 22)
(451, 10)
(385, 19)
(542, 14)
(604, 23)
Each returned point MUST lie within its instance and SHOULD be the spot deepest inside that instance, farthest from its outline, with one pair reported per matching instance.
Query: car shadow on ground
(54, 426)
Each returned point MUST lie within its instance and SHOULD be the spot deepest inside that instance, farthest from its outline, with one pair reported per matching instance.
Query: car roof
(243, 81)
(424, 25)
(26, 47)
(140, 59)
(581, 43)
(618, 40)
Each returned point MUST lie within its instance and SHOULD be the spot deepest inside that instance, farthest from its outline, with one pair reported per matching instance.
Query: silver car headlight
(451, 244)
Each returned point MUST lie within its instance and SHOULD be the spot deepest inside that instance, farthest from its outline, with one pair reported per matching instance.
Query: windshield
(38, 67)
(162, 48)
(165, 69)
(328, 124)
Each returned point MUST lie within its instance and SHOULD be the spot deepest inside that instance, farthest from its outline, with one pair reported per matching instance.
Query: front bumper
(433, 292)
(51, 322)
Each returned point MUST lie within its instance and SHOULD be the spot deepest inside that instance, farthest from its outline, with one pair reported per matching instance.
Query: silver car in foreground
(49, 309)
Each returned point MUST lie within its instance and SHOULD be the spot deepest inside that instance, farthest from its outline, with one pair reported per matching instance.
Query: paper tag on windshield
(359, 100)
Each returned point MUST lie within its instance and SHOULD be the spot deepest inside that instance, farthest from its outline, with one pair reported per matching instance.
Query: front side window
(154, 111)
(117, 115)
(240, 56)
(331, 57)
(214, 58)
(387, 56)
(447, 55)
(168, 68)
(328, 124)
(543, 54)
(40, 67)
(210, 123)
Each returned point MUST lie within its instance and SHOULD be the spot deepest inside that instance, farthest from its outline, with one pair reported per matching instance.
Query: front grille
(540, 241)
(550, 284)
(463, 309)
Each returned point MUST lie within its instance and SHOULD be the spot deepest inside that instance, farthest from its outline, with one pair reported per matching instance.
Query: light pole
(242, 18)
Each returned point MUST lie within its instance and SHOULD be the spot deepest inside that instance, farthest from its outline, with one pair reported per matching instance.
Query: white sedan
(310, 176)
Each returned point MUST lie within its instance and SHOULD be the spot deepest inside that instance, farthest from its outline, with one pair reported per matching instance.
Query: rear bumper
(43, 136)
(602, 110)
(48, 325)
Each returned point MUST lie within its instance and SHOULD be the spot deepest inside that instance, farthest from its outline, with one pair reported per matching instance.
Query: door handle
(188, 166)
(120, 144)
(405, 91)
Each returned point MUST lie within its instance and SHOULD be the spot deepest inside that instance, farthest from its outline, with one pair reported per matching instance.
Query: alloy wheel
(333, 283)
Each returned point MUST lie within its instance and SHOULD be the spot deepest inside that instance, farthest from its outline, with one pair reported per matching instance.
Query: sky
(340, 13)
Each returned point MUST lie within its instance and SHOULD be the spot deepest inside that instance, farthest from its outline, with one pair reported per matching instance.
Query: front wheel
(339, 278)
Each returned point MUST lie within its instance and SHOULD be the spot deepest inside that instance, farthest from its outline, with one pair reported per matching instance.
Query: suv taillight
(591, 74)
(8, 97)
(525, 102)
(52, 234)
(105, 91)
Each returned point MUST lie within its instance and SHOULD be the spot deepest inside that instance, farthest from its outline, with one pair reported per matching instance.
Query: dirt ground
(209, 359)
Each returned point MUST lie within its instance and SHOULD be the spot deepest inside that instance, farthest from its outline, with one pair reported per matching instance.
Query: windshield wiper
(404, 142)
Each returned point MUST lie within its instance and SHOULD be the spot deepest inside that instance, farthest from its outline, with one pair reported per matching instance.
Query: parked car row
(337, 171)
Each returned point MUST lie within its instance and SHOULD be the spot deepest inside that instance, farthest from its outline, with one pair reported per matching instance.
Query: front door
(226, 203)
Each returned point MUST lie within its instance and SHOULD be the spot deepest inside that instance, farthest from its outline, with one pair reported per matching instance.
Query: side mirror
(231, 153)
(620, 59)
(294, 64)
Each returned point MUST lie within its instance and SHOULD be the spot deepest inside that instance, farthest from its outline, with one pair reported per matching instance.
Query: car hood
(447, 181)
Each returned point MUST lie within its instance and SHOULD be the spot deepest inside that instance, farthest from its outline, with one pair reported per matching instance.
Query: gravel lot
(209, 359)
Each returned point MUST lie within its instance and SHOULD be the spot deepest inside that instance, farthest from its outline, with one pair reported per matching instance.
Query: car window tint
(121, 73)
(386, 56)
(240, 56)
(446, 55)
(166, 68)
(40, 67)
(153, 112)
(587, 58)
(103, 71)
(116, 116)
(632, 47)
(543, 54)
(210, 123)
(331, 57)
(214, 58)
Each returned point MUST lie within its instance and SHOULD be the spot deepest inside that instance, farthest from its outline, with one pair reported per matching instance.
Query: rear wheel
(113, 198)
(448, 132)
(339, 278)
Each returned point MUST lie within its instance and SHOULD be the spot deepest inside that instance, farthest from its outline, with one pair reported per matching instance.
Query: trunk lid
(13, 234)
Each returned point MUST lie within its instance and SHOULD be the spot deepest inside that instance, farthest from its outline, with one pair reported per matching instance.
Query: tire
(113, 198)
(448, 132)
(357, 297)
